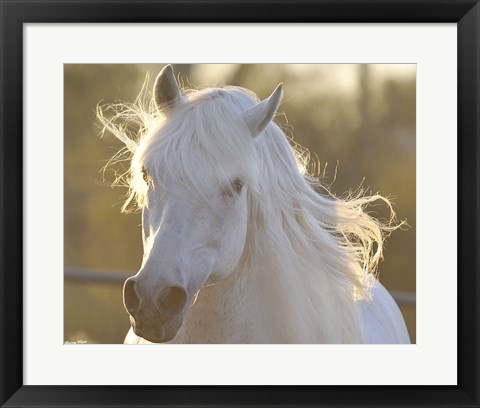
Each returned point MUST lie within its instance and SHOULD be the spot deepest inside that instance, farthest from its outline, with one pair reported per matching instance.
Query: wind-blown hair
(300, 244)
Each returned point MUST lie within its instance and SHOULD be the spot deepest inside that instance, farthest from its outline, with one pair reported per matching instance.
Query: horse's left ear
(166, 91)
(260, 115)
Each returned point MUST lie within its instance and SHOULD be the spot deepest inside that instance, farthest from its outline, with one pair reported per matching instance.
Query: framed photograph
(386, 93)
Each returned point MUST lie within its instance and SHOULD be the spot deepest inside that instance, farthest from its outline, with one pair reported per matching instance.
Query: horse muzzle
(154, 316)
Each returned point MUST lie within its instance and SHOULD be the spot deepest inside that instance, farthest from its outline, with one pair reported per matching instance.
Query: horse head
(196, 173)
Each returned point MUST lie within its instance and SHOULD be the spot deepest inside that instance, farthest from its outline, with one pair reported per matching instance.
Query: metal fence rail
(118, 277)
(100, 276)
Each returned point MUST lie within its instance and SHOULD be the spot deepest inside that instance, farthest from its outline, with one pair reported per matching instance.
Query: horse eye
(237, 185)
(145, 175)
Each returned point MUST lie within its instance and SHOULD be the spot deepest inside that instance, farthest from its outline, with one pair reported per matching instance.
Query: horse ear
(166, 92)
(260, 115)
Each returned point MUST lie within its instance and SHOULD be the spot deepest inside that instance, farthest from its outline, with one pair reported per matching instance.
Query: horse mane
(310, 245)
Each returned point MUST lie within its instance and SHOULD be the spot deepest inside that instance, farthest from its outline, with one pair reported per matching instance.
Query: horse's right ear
(166, 91)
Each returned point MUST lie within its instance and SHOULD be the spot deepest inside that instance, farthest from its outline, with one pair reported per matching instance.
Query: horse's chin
(161, 332)
(155, 337)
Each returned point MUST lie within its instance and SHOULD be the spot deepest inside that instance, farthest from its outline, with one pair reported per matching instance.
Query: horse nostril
(172, 300)
(130, 297)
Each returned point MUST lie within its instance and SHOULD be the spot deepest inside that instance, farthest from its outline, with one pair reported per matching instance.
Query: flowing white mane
(300, 244)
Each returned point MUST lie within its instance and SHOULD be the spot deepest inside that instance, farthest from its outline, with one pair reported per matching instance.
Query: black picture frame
(14, 13)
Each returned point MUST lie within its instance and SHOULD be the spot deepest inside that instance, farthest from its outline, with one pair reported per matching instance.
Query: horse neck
(229, 312)
(269, 299)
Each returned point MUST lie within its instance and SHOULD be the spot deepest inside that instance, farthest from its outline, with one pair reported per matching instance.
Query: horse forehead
(202, 163)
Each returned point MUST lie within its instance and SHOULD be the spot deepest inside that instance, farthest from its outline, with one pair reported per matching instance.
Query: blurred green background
(358, 121)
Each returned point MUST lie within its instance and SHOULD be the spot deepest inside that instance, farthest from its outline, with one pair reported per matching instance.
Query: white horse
(239, 247)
